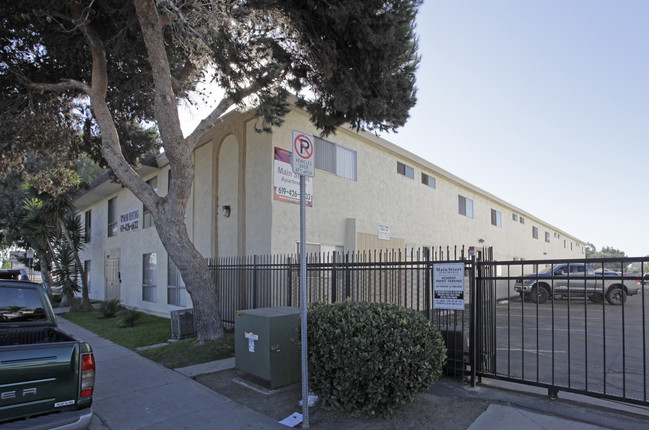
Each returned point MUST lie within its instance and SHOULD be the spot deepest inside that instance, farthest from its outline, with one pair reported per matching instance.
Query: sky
(544, 104)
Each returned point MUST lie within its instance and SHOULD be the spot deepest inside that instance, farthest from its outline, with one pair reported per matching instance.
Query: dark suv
(16, 274)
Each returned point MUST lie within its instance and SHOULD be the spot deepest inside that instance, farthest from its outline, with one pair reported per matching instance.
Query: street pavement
(132, 392)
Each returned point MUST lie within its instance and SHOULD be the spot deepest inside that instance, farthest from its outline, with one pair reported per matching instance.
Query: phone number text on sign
(286, 184)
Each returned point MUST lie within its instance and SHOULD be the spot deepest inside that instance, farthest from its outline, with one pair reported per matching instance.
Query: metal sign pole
(303, 300)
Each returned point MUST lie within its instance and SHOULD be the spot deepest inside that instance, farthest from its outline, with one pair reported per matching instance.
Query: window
(465, 206)
(112, 217)
(175, 285)
(428, 180)
(514, 217)
(87, 226)
(147, 219)
(496, 218)
(565, 243)
(335, 159)
(149, 265)
(547, 236)
(535, 232)
(522, 220)
(86, 270)
(404, 170)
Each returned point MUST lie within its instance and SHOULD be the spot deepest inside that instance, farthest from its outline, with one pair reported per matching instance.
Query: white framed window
(535, 232)
(404, 170)
(522, 220)
(87, 226)
(176, 290)
(149, 277)
(335, 159)
(514, 217)
(428, 180)
(112, 217)
(147, 219)
(547, 236)
(465, 206)
(496, 218)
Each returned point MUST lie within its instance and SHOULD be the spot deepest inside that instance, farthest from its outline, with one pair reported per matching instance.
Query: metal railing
(559, 325)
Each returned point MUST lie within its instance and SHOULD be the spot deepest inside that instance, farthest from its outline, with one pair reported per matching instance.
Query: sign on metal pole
(303, 163)
(302, 157)
(448, 286)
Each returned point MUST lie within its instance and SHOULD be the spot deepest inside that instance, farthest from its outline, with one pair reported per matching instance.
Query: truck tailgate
(38, 378)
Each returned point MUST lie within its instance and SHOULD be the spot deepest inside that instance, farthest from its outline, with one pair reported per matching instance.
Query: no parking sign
(302, 157)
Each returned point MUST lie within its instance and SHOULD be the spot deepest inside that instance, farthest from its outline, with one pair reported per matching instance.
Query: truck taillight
(87, 374)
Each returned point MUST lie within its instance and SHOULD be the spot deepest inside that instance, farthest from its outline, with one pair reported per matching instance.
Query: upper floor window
(514, 217)
(404, 170)
(335, 159)
(535, 232)
(87, 226)
(547, 236)
(522, 220)
(112, 217)
(465, 206)
(428, 180)
(496, 218)
(147, 219)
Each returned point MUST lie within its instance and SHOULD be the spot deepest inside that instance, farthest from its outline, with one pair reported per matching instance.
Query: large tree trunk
(168, 212)
(197, 277)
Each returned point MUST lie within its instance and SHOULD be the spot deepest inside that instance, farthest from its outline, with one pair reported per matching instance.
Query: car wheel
(596, 298)
(616, 296)
(539, 294)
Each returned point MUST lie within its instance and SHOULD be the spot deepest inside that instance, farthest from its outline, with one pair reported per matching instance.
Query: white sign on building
(129, 221)
(448, 286)
(384, 232)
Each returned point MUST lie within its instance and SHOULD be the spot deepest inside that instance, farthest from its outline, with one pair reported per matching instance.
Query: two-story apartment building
(367, 194)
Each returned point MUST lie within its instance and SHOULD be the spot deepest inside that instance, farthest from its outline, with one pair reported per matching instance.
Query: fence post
(429, 267)
(254, 281)
(473, 347)
(348, 293)
(334, 278)
(289, 271)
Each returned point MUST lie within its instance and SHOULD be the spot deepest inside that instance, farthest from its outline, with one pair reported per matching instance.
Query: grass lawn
(187, 352)
(152, 330)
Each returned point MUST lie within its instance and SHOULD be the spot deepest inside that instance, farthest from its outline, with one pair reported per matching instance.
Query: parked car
(645, 280)
(46, 377)
(17, 274)
(574, 280)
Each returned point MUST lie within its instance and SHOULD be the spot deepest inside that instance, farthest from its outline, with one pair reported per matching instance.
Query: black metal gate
(558, 325)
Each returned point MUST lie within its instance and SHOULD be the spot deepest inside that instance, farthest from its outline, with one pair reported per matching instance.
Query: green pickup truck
(46, 376)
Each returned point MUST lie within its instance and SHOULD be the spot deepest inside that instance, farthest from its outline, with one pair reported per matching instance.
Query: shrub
(127, 317)
(109, 308)
(371, 357)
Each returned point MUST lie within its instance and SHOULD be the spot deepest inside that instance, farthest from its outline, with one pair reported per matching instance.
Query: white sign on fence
(448, 286)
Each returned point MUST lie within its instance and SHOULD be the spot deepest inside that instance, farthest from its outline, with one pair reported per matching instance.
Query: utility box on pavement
(266, 345)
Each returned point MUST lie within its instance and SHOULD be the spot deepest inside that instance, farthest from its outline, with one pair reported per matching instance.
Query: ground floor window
(149, 278)
(175, 286)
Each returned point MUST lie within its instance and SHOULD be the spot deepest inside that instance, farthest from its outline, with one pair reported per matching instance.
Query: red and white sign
(302, 157)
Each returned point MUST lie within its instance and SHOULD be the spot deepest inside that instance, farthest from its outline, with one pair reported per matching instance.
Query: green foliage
(66, 271)
(371, 357)
(188, 352)
(109, 308)
(127, 317)
(150, 329)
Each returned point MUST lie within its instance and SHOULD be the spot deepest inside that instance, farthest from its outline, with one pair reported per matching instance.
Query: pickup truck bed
(46, 376)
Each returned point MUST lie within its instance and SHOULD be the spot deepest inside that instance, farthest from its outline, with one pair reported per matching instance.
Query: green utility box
(266, 345)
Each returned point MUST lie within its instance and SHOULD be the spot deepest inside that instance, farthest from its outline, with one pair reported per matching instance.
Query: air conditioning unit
(182, 323)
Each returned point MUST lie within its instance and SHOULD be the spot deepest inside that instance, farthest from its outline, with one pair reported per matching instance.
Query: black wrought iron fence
(566, 325)
(395, 276)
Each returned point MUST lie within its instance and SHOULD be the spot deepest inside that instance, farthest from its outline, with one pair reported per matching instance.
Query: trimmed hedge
(371, 357)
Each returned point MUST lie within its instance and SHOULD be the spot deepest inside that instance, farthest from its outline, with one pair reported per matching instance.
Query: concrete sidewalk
(132, 392)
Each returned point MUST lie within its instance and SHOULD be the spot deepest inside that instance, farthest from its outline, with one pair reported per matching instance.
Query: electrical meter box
(267, 345)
